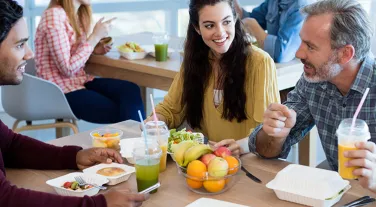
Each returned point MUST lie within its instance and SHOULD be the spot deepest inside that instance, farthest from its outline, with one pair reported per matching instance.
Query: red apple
(218, 167)
(222, 152)
(207, 158)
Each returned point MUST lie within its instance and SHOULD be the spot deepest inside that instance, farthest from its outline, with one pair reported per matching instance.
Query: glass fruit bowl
(213, 182)
(108, 138)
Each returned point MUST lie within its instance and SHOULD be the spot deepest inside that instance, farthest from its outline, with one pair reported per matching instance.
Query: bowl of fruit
(131, 51)
(108, 138)
(206, 171)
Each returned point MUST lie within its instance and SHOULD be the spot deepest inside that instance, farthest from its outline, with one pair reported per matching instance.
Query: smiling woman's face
(217, 27)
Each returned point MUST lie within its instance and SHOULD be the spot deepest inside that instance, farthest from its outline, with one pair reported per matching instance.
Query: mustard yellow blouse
(261, 90)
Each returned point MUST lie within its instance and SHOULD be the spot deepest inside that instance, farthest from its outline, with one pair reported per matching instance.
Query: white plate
(113, 180)
(126, 148)
(150, 49)
(308, 186)
(58, 182)
(206, 202)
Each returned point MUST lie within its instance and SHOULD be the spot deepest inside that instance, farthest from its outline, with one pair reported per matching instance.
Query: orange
(196, 168)
(193, 183)
(233, 164)
(214, 186)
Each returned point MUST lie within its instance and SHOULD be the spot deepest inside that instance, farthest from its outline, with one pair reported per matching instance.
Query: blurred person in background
(282, 20)
(63, 44)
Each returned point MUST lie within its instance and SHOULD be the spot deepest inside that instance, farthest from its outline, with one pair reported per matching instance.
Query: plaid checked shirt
(59, 57)
(321, 104)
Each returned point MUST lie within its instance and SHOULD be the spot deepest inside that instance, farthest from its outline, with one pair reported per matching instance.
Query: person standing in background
(282, 20)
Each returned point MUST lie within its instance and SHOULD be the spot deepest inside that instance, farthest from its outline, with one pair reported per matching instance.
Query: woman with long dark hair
(225, 84)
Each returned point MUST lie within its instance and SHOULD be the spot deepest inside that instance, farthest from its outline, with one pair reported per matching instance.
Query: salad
(75, 186)
(177, 136)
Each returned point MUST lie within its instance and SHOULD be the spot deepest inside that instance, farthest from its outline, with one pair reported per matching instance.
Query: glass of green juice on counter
(147, 158)
(161, 46)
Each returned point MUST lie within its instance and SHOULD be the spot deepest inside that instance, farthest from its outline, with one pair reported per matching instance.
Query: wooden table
(152, 74)
(245, 191)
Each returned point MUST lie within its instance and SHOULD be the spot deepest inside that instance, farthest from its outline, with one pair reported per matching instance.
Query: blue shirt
(322, 104)
(283, 21)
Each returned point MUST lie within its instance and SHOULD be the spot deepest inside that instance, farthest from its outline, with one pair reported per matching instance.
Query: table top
(287, 73)
(173, 189)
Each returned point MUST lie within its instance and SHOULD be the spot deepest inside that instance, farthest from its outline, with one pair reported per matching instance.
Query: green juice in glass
(147, 171)
(161, 52)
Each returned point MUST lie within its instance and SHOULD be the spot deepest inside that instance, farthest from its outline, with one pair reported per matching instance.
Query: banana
(196, 152)
(180, 150)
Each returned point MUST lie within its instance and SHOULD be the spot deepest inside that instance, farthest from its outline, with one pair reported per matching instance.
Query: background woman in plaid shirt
(63, 44)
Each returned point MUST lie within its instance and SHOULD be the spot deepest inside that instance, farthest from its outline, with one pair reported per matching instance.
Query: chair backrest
(35, 99)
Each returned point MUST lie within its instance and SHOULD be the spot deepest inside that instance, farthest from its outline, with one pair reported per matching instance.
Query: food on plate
(130, 47)
(75, 186)
(178, 136)
(111, 171)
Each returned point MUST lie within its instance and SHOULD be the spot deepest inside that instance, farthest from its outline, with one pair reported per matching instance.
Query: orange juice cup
(159, 132)
(346, 142)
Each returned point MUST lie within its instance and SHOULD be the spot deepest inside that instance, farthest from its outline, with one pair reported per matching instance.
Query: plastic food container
(113, 180)
(127, 146)
(108, 138)
(309, 186)
(57, 184)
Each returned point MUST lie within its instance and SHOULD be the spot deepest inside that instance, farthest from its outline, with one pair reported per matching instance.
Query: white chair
(36, 99)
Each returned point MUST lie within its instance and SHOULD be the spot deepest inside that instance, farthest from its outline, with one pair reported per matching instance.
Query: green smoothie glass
(147, 164)
(161, 46)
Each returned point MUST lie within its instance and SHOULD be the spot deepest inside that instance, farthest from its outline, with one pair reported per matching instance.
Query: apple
(218, 167)
(222, 152)
(207, 158)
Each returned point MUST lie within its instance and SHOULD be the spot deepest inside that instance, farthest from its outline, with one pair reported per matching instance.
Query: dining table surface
(148, 72)
(173, 191)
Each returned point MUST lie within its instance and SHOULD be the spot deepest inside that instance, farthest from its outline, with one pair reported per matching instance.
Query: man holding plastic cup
(338, 68)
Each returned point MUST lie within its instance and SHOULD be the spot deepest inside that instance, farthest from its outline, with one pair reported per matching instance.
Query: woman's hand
(231, 144)
(101, 30)
(102, 49)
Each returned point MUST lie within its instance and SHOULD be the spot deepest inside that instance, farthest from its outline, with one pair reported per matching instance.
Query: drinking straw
(358, 109)
(154, 115)
(144, 132)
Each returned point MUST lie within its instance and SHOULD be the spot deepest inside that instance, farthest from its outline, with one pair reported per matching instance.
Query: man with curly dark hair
(18, 151)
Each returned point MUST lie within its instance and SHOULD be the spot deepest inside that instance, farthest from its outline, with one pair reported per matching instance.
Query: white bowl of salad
(177, 136)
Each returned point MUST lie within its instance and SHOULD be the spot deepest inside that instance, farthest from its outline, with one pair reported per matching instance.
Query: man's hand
(254, 29)
(365, 159)
(124, 198)
(278, 120)
(89, 157)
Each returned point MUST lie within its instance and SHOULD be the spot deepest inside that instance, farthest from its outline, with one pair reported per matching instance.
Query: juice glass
(158, 131)
(346, 142)
(161, 46)
(147, 165)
